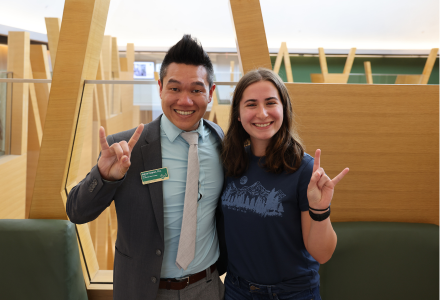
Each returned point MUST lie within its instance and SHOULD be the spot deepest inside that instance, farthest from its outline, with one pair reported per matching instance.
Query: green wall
(302, 67)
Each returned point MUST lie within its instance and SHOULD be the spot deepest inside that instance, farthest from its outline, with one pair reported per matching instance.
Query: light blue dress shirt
(175, 158)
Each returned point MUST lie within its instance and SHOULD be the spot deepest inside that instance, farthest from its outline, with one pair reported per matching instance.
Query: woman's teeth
(262, 125)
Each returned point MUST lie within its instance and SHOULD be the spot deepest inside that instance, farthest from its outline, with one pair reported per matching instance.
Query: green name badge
(154, 175)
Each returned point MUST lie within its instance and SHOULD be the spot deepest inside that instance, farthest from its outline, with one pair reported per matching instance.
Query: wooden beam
(78, 52)
(41, 70)
(106, 66)
(368, 73)
(116, 70)
(326, 77)
(126, 91)
(250, 35)
(18, 64)
(429, 65)
(13, 186)
(130, 57)
(322, 61)
(102, 91)
(287, 64)
(53, 26)
(123, 63)
(409, 79)
(3, 57)
(349, 61)
(279, 59)
(35, 134)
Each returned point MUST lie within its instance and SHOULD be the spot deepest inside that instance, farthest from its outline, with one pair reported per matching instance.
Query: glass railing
(5, 111)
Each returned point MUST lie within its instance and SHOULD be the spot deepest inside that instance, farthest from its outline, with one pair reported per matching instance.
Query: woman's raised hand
(115, 159)
(321, 188)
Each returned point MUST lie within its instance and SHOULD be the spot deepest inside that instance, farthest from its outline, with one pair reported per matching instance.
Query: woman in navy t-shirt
(276, 199)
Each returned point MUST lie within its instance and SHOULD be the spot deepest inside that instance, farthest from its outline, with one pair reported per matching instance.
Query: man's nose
(185, 99)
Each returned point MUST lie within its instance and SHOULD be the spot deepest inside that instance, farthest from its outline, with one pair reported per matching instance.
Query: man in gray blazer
(150, 208)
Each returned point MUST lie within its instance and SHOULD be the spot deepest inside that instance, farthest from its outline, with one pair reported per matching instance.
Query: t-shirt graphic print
(254, 198)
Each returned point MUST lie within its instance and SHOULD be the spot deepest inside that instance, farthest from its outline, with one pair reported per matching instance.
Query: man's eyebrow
(198, 83)
(174, 81)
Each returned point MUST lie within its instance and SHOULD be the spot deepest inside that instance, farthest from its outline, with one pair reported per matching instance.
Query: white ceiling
(341, 24)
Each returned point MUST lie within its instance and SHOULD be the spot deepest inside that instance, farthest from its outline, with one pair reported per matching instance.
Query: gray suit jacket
(140, 240)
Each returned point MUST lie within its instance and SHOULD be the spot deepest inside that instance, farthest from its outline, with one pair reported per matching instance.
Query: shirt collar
(172, 131)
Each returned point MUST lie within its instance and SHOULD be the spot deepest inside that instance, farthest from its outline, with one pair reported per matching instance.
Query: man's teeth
(262, 125)
(181, 112)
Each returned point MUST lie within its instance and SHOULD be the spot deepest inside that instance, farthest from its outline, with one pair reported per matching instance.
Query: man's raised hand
(115, 159)
(321, 187)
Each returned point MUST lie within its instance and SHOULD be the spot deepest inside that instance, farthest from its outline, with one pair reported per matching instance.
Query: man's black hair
(187, 51)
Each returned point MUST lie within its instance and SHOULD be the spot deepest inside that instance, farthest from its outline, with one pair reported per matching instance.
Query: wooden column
(18, 63)
(368, 73)
(106, 66)
(250, 36)
(77, 59)
(35, 134)
(13, 167)
(53, 26)
(116, 70)
(41, 70)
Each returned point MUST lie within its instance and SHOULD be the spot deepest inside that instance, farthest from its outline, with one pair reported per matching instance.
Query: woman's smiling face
(261, 112)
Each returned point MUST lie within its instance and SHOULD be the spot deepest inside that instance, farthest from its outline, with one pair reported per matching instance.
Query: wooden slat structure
(387, 134)
(219, 113)
(13, 165)
(70, 106)
(368, 73)
(326, 77)
(53, 26)
(250, 36)
(283, 54)
(427, 70)
(34, 136)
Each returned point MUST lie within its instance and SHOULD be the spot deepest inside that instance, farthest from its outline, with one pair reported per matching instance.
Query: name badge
(154, 175)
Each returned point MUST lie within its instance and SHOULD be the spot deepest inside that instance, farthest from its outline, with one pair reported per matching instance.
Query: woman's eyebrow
(270, 98)
(250, 100)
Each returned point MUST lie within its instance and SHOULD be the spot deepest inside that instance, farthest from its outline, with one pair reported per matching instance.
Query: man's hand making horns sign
(115, 159)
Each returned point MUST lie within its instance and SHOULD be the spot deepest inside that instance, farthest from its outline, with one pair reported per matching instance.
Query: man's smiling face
(185, 95)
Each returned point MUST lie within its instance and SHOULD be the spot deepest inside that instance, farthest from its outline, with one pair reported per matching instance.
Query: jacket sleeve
(89, 198)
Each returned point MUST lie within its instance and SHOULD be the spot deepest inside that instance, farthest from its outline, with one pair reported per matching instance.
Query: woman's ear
(239, 119)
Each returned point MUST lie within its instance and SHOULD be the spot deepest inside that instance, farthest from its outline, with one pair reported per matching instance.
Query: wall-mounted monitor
(144, 70)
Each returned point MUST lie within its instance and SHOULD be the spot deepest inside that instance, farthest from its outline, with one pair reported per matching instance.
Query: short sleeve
(303, 182)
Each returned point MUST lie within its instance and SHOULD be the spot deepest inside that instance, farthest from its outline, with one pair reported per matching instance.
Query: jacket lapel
(152, 158)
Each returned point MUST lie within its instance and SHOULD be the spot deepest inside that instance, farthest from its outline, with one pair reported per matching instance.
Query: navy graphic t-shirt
(262, 213)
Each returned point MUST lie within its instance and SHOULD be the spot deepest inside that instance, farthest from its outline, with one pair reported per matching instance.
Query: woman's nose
(262, 112)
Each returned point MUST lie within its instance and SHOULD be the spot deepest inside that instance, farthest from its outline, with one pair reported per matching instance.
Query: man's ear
(160, 88)
(211, 92)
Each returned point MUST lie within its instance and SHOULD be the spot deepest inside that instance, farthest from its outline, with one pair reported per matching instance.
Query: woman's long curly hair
(285, 150)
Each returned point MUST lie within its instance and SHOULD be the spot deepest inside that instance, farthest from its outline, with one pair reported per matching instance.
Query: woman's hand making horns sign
(321, 188)
(115, 159)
